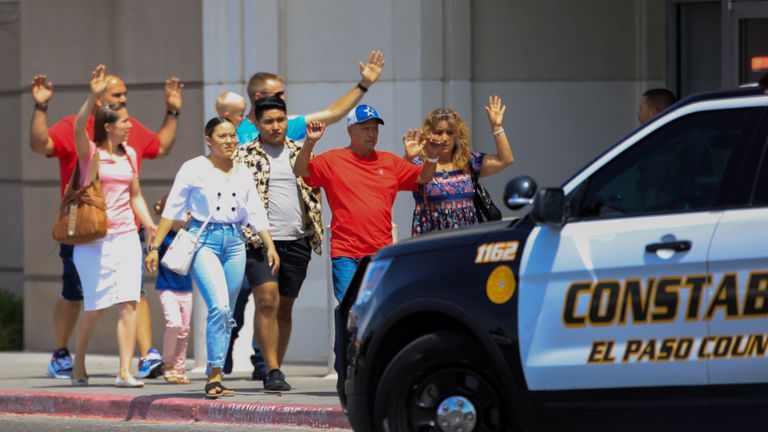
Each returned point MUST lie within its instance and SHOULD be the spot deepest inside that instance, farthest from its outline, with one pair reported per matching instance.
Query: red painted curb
(165, 409)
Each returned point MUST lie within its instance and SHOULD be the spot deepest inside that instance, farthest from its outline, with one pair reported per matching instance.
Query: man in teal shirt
(264, 84)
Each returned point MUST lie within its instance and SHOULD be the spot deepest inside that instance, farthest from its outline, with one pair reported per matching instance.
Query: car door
(738, 264)
(614, 298)
(737, 344)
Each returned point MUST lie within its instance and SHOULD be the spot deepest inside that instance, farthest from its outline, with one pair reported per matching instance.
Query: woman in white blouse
(214, 187)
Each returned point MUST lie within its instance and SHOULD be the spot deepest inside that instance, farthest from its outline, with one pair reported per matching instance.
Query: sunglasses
(444, 114)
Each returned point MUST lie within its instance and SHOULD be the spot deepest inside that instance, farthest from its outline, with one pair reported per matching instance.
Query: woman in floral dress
(446, 201)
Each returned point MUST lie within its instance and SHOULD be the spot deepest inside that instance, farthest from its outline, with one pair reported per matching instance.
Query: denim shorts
(71, 289)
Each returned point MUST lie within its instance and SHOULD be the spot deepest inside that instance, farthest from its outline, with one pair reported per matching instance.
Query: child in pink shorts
(175, 293)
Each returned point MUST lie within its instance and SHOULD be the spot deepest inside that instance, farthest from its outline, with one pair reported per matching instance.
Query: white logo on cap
(368, 110)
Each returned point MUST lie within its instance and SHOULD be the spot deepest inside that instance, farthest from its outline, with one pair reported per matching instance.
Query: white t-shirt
(203, 190)
(286, 212)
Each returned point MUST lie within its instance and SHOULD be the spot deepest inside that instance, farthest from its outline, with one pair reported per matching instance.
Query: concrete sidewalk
(312, 403)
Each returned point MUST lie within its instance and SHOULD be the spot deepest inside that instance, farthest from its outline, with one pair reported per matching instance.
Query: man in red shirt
(58, 141)
(360, 184)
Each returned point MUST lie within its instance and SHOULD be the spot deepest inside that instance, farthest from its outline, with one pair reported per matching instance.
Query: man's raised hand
(315, 130)
(371, 71)
(42, 89)
(173, 88)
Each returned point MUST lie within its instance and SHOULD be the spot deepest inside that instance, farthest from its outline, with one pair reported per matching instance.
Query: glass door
(746, 53)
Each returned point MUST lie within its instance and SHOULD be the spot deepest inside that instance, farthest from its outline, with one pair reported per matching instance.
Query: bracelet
(433, 160)
(174, 113)
(362, 87)
(151, 248)
(498, 132)
(41, 107)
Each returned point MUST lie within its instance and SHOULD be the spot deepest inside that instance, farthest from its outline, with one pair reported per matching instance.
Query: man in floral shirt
(296, 227)
(265, 84)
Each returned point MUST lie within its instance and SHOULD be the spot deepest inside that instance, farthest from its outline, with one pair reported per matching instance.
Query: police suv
(635, 297)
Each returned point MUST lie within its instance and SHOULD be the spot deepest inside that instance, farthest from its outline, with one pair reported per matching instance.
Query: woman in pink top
(110, 268)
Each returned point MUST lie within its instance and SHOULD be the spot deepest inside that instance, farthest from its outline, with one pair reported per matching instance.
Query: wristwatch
(174, 113)
(151, 247)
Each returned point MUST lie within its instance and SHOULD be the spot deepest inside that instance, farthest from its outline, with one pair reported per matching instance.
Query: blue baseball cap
(363, 113)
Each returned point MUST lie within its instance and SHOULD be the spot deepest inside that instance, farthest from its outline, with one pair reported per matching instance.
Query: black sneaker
(275, 381)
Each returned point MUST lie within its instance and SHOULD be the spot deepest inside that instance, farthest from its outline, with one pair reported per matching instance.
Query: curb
(165, 409)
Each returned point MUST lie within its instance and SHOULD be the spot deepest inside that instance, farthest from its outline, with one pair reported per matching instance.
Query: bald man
(58, 142)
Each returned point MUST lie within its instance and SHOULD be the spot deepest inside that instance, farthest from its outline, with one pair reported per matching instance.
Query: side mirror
(549, 207)
(519, 192)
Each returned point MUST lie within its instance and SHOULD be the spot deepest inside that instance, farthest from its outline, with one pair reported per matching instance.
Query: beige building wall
(569, 71)
(11, 265)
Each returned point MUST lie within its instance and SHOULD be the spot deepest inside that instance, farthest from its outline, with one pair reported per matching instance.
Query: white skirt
(109, 270)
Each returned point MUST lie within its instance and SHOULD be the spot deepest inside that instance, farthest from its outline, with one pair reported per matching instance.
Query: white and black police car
(635, 297)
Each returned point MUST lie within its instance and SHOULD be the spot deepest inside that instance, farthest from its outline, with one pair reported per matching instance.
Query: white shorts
(110, 270)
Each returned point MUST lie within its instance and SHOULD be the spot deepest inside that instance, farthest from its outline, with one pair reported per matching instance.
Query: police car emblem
(500, 285)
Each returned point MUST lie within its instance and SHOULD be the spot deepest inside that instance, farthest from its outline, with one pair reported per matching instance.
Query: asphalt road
(47, 424)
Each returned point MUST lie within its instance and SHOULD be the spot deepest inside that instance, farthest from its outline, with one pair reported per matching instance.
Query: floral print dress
(446, 201)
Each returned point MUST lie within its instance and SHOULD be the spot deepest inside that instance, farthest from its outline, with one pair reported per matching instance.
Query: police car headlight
(371, 279)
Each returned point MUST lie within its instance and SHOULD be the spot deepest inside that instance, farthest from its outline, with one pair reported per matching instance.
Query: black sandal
(221, 390)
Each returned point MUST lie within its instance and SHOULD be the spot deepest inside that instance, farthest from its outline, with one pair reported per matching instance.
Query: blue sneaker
(61, 364)
(150, 366)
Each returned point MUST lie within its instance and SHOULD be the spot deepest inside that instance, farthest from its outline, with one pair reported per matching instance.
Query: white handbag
(178, 257)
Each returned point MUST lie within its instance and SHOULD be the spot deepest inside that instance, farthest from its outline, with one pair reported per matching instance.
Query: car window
(680, 167)
(761, 191)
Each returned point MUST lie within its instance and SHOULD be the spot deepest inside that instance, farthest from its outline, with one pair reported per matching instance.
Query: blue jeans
(218, 269)
(343, 268)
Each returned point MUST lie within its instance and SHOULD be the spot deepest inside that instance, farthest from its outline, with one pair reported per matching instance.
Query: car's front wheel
(440, 382)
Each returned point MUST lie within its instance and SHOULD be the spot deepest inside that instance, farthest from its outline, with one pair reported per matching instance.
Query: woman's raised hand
(98, 80)
(495, 111)
(413, 143)
(434, 143)
(436, 140)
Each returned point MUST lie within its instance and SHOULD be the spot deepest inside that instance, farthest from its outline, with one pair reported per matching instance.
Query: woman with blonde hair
(446, 202)
(110, 268)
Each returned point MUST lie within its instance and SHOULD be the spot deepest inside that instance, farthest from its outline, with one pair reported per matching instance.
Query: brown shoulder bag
(82, 215)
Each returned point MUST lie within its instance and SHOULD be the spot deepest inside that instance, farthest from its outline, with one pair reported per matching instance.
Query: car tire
(434, 372)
